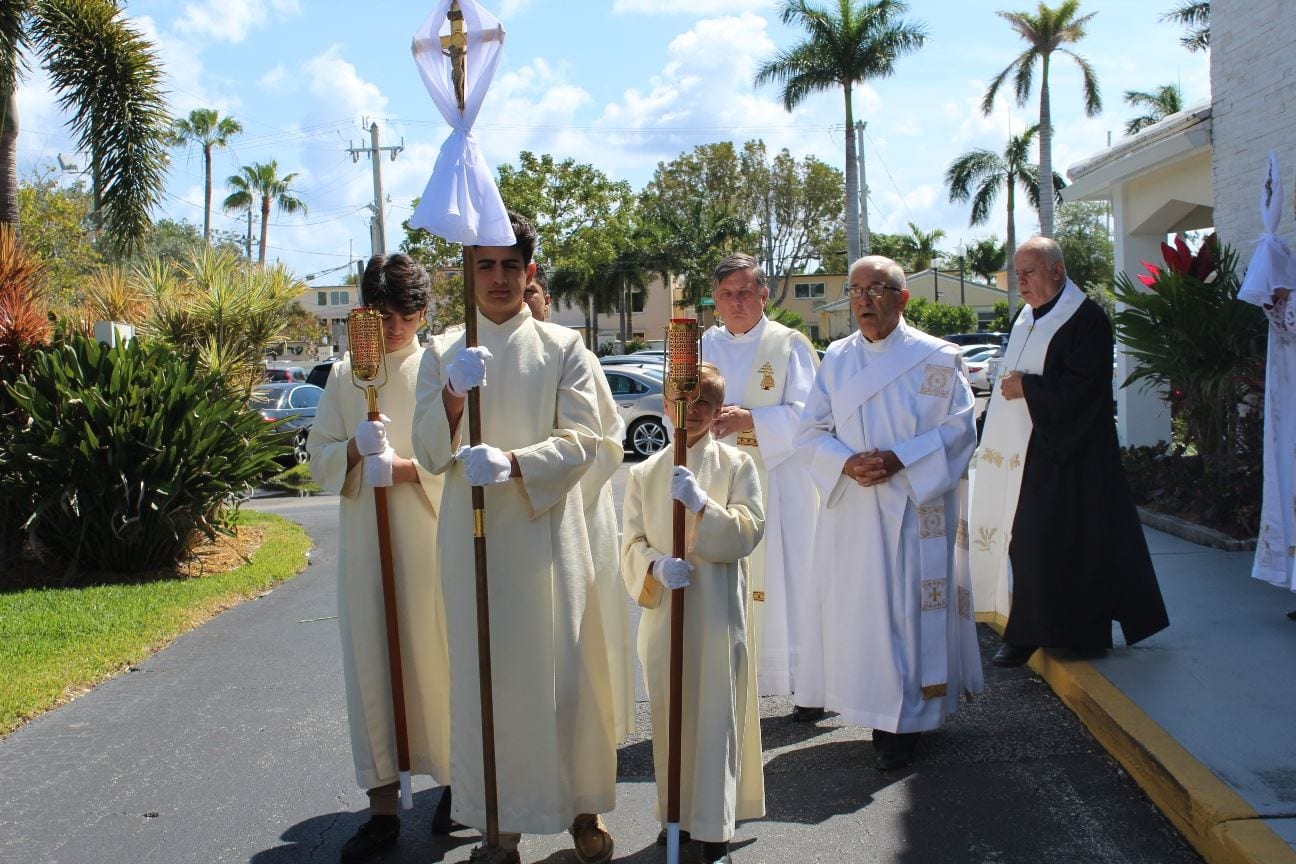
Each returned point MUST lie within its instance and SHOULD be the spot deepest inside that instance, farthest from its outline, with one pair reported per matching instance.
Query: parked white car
(976, 366)
(638, 394)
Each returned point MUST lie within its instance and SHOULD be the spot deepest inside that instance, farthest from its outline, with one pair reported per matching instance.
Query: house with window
(330, 304)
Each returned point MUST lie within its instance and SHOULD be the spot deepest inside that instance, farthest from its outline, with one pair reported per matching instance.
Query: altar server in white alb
(887, 435)
(350, 455)
(721, 776)
(601, 522)
(554, 727)
(1269, 281)
(768, 369)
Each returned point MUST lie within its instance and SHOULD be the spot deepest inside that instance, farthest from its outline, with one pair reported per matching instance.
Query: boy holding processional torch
(716, 777)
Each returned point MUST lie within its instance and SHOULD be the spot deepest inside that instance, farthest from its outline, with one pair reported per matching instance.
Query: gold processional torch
(682, 378)
(369, 365)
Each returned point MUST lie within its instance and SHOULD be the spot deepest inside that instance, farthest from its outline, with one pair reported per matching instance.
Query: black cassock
(1078, 554)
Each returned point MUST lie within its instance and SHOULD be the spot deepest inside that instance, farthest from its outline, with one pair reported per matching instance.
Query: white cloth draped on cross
(461, 202)
(1272, 265)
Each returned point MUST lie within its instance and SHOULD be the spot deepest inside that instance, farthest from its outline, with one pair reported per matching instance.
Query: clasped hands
(730, 419)
(872, 467)
(1010, 385)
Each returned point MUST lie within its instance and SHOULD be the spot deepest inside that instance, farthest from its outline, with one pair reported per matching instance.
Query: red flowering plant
(1199, 347)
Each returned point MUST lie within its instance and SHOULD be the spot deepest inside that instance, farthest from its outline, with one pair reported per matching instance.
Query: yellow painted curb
(1217, 821)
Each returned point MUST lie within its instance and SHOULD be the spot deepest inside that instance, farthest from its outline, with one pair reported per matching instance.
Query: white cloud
(508, 8)
(278, 79)
(337, 84)
(691, 7)
(231, 20)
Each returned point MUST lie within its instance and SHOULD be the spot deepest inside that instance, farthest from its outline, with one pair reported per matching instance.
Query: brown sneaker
(592, 841)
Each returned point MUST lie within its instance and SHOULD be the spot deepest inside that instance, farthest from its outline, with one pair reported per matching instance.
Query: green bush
(940, 319)
(131, 454)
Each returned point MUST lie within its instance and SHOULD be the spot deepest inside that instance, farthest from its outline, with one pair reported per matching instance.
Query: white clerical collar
(751, 335)
(895, 337)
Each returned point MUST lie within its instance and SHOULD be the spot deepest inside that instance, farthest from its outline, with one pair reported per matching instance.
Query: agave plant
(130, 455)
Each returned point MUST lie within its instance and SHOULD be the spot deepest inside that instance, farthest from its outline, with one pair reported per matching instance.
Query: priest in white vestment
(887, 435)
(604, 536)
(1269, 280)
(721, 774)
(769, 369)
(554, 727)
(350, 455)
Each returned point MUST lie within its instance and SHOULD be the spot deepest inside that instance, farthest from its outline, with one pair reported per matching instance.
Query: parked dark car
(319, 375)
(1000, 339)
(293, 405)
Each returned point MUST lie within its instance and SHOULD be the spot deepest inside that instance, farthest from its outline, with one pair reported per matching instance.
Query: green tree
(1194, 17)
(1157, 105)
(55, 224)
(798, 209)
(690, 241)
(1045, 32)
(208, 130)
(584, 220)
(175, 239)
(940, 319)
(1086, 244)
(846, 45)
(919, 248)
(985, 258)
(1000, 323)
(260, 183)
(110, 84)
(981, 174)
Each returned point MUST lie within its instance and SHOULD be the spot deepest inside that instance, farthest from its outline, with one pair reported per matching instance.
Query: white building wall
(1253, 85)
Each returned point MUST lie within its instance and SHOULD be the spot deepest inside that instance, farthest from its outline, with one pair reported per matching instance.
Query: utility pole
(866, 240)
(378, 228)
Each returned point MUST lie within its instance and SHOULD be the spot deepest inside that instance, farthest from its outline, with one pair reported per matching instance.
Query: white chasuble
(997, 466)
(721, 774)
(601, 523)
(554, 728)
(898, 643)
(412, 509)
(769, 370)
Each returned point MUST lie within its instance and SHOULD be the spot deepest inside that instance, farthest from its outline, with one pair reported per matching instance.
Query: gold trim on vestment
(934, 691)
(758, 596)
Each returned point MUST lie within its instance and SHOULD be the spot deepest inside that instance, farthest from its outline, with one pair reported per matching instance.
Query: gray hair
(1046, 247)
(893, 271)
(737, 262)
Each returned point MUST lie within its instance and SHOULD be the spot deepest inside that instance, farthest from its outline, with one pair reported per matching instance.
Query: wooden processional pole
(456, 45)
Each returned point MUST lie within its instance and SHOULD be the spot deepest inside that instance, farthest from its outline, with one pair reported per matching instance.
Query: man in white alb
(887, 435)
(769, 369)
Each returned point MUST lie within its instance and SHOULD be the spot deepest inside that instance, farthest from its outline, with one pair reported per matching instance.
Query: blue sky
(621, 84)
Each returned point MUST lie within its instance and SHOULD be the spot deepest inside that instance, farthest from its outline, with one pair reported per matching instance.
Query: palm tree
(850, 44)
(206, 128)
(260, 183)
(920, 247)
(1194, 15)
(1046, 32)
(1161, 103)
(986, 257)
(109, 83)
(980, 175)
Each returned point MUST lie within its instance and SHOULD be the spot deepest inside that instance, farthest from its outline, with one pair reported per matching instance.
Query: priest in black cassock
(1054, 538)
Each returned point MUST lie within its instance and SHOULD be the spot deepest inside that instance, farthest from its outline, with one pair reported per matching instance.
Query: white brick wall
(1253, 84)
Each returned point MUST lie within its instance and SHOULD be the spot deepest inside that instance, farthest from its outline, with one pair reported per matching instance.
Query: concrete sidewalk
(1202, 714)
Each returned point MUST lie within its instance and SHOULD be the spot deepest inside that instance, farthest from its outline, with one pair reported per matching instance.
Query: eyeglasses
(874, 290)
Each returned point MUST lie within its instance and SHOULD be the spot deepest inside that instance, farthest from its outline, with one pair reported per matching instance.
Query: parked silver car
(638, 394)
(292, 404)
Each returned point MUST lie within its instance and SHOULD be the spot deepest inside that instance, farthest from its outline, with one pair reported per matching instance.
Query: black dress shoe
(1292, 615)
(894, 750)
(685, 837)
(1010, 656)
(442, 821)
(802, 714)
(372, 839)
(715, 853)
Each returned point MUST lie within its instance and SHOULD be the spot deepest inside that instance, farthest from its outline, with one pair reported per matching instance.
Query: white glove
(685, 489)
(672, 572)
(378, 468)
(468, 370)
(484, 465)
(371, 435)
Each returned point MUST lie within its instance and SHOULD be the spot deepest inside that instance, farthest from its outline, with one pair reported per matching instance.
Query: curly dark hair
(397, 283)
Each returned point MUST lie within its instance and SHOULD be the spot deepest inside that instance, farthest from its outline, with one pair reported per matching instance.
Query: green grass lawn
(58, 642)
